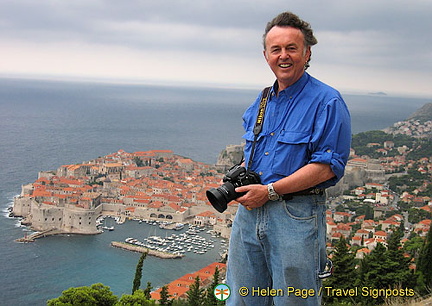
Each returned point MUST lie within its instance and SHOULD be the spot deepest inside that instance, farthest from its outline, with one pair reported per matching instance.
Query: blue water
(47, 124)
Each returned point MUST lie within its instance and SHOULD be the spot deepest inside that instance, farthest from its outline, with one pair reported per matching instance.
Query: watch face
(272, 195)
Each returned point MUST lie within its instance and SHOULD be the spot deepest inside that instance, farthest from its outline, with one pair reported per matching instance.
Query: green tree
(413, 245)
(423, 149)
(138, 161)
(138, 273)
(340, 208)
(178, 302)
(210, 298)
(369, 212)
(344, 274)
(416, 215)
(96, 294)
(165, 296)
(147, 291)
(424, 265)
(374, 270)
(398, 268)
(138, 298)
(195, 293)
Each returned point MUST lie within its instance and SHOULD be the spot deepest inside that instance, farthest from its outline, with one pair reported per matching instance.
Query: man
(277, 249)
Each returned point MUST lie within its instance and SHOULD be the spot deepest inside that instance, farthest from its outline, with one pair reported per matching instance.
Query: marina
(102, 223)
(190, 240)
(160, 241)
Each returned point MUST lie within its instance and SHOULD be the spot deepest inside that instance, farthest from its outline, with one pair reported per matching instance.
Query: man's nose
(284, 54)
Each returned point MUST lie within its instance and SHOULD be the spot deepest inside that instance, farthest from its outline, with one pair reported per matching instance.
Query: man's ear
(265, 55)
(308, 54)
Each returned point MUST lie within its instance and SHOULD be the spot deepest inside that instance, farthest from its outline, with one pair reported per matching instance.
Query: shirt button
(328, 151)
(260, 173)
(266, 153)
(271, 134)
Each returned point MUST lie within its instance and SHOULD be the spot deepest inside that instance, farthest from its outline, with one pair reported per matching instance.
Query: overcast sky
(363, 46)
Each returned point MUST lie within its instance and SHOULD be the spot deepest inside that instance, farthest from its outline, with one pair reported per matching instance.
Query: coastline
(139, 249)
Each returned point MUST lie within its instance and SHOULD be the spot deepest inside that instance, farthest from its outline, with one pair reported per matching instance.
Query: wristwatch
(272, 194)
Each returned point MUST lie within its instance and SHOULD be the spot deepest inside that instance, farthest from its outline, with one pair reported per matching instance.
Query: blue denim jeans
(276, 252)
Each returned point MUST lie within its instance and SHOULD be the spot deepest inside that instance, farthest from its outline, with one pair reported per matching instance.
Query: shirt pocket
(291, 152)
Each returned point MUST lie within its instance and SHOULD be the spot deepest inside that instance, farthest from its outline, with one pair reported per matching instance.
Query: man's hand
(256, 195)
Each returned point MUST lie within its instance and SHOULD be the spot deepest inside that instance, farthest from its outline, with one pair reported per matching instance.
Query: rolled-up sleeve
(331, 140)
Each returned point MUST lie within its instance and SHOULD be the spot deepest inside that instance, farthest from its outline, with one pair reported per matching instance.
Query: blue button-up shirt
(307, 122)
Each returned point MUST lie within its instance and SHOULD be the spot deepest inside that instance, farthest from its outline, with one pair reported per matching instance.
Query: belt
(309, 191)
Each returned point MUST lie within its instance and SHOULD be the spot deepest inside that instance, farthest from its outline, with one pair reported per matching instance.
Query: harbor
(165, 239)
(190, 240)
(98, 250)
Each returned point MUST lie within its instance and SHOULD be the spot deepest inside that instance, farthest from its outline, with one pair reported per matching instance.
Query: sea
(45, 124)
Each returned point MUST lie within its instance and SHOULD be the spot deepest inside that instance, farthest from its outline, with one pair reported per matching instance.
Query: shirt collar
(294, 88)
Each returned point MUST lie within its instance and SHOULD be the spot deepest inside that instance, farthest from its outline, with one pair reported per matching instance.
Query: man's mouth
(285, 65)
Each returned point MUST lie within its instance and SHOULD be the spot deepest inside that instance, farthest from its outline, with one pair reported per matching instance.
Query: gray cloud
(376, 35)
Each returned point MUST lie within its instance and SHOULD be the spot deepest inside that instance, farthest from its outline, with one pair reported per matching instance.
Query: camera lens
(221, 196)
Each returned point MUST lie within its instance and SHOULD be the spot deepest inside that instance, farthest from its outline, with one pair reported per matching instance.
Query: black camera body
(237, 176)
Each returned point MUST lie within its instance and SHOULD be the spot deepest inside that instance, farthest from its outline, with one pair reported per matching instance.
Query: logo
(222, 292)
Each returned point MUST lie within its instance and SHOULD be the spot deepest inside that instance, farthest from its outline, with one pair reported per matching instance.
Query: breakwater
(140, 249)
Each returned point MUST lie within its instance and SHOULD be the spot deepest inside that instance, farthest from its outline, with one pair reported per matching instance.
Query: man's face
(285, 53)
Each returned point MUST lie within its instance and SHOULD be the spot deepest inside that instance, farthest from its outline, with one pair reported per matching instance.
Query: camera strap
(259, 122)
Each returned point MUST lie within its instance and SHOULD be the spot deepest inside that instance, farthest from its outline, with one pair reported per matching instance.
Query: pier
(34, 236)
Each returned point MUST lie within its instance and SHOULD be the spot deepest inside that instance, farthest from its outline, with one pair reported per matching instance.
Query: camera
(237, 176)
